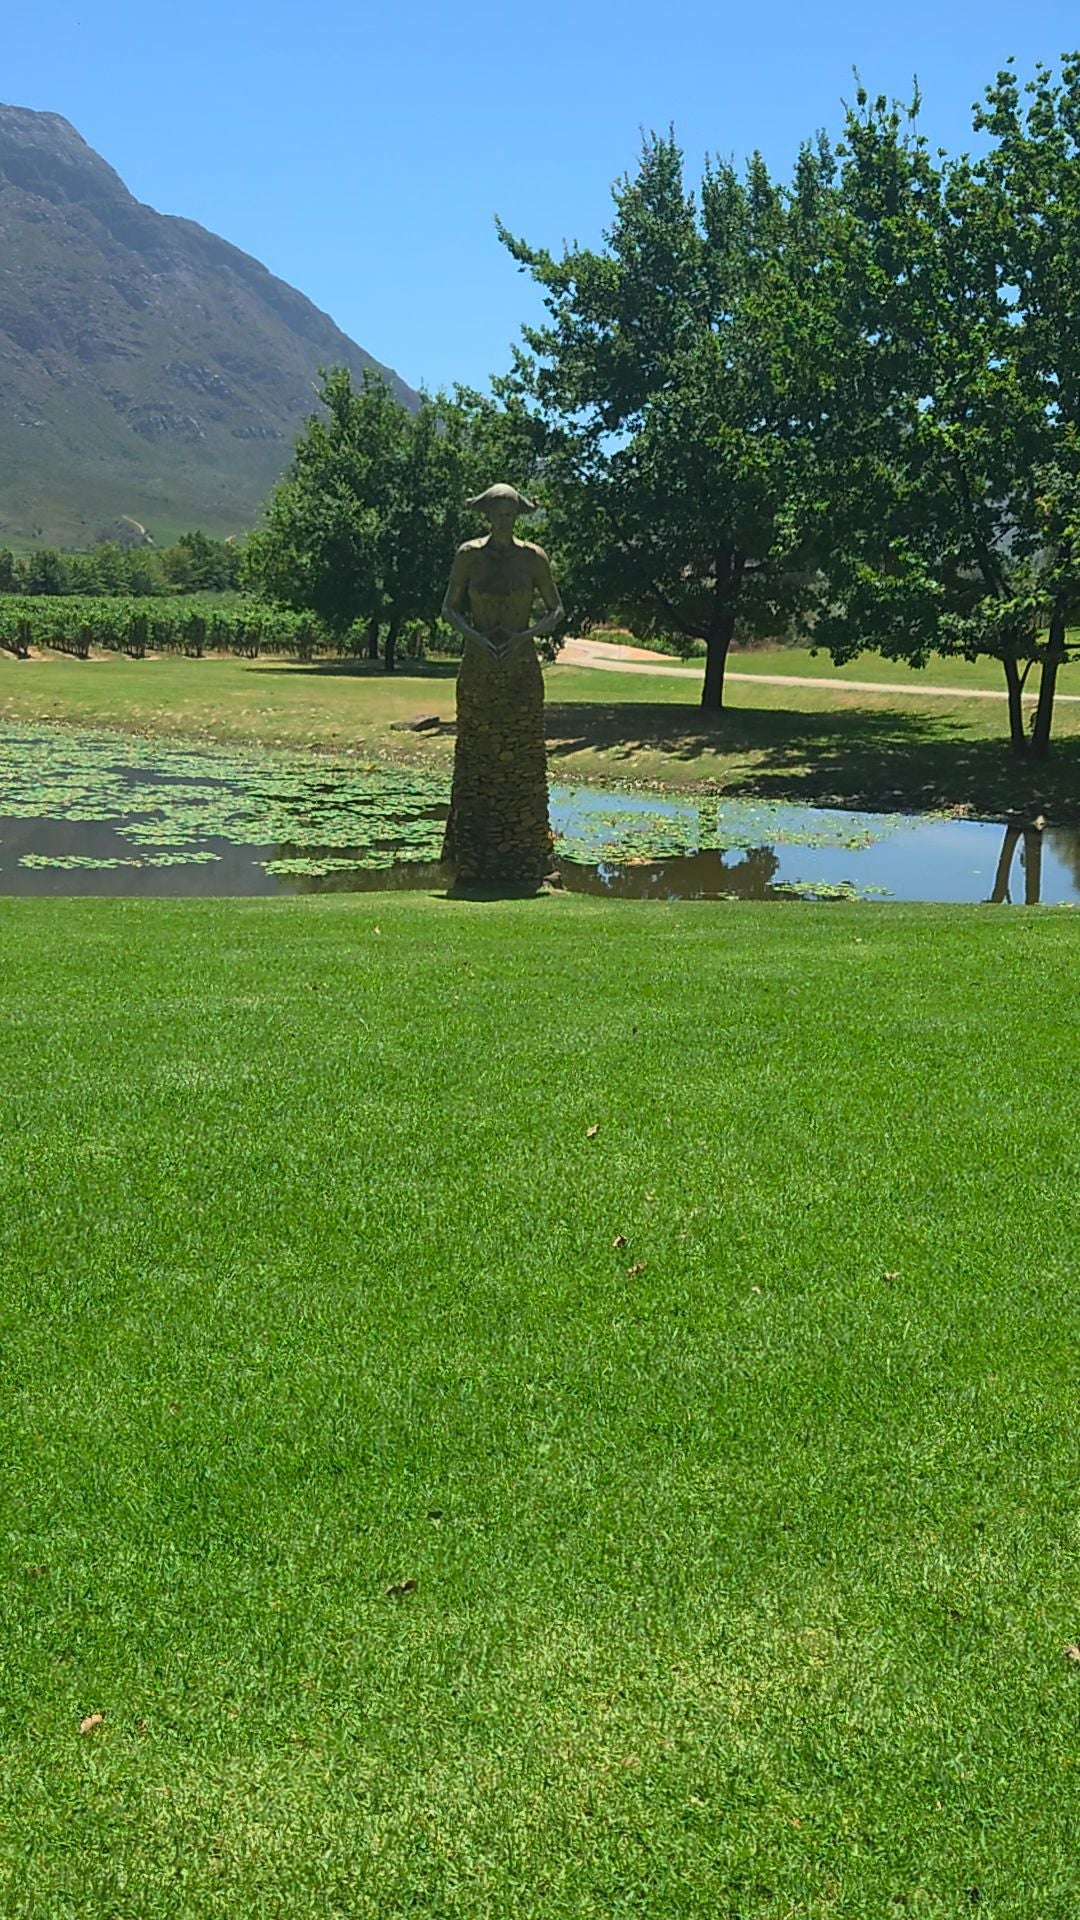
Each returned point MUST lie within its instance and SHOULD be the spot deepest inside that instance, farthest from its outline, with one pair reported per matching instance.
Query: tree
(111, 568)
(681, 381)
(46, 572)
(200, 564)
(954, 483)
(364, 526)
(419, 516)
(145, 572)
(1030, 190)
(317, 550)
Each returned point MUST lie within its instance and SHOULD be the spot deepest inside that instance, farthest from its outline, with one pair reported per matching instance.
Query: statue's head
(502, 505)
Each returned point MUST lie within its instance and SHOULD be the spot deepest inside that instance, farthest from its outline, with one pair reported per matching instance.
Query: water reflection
(916, 859)
(747, 875)
(1030, 840)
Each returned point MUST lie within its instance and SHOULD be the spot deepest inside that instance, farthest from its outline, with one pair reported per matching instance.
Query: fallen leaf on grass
(639, 1266)
(400, 1588)
(91, 1723)
(890, 1276)
(619, 1240)
(591, 1132)
(1072, 1652)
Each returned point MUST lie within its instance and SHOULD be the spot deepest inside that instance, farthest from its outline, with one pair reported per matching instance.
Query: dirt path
(613, 658)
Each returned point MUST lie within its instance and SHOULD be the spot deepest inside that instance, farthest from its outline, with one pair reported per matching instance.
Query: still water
(85, 814)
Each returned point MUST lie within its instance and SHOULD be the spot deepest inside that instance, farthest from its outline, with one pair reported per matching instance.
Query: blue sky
(361, 152)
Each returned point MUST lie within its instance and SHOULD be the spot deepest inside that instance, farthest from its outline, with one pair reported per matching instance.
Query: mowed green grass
(939, 671)
(683, 1298)
(281, 703)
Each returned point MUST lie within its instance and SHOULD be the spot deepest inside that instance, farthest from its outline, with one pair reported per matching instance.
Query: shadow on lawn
(866, 758)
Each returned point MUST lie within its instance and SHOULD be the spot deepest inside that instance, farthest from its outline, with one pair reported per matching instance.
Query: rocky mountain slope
(147, 367)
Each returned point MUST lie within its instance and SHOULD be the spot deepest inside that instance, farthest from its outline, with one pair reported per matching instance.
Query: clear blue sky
(362, 150)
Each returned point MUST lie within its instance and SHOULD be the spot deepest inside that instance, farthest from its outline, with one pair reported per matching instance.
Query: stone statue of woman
(498, 831)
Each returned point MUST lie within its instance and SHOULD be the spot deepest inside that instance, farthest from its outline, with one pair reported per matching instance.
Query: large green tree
(681, 378)
(952, 460)
(317, 550)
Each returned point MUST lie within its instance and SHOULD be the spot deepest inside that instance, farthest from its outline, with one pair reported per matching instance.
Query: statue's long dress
(499, 830)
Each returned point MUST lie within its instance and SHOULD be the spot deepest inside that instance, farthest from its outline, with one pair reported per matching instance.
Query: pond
(85, 813)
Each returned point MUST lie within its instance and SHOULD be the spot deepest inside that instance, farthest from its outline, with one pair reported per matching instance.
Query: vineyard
(137, 627)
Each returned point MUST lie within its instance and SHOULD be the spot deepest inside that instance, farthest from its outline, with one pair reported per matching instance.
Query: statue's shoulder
(472, 546)
(530, 547)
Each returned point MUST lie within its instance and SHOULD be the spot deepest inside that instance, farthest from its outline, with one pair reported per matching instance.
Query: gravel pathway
(610, 657)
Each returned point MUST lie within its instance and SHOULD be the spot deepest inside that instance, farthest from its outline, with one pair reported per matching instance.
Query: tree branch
(673, 614)
(991, 571)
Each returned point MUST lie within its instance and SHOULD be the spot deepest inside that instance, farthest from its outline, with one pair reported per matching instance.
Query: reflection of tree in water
(1031, 841)
(699, 876)
(692, 876)
(1065, 843)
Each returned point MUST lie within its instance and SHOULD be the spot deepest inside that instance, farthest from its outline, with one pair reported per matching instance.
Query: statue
(498, 831)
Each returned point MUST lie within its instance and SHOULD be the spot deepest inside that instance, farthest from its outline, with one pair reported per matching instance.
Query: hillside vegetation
(147, 367)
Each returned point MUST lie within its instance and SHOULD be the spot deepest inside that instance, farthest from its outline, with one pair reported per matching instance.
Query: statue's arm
(456, 594)
(544, 585)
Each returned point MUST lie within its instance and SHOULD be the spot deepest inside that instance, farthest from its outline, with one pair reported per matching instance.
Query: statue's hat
(501, 496)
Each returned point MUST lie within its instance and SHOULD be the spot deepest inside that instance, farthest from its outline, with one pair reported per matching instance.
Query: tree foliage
(681, 378)
(364, 526)
(195, 563)
(846, 408)
(953, 459)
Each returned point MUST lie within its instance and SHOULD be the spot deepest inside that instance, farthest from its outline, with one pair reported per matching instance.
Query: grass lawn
(843, 746)
(731, 1446)
(937, 672)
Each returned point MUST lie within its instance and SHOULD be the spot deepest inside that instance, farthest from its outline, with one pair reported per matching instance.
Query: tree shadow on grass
(885, 759)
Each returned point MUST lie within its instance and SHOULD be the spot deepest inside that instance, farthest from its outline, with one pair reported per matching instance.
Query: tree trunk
(373, 637)
(1015, 685)
(1052, 663)
(717, 648)
(390, 648)
(729, 572)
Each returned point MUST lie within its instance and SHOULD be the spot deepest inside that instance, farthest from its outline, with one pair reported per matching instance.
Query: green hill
(147, 367)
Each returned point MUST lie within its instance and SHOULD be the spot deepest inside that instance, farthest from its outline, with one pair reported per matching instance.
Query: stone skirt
(498, 830)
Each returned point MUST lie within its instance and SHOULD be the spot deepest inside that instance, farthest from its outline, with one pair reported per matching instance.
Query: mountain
(147, 367)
